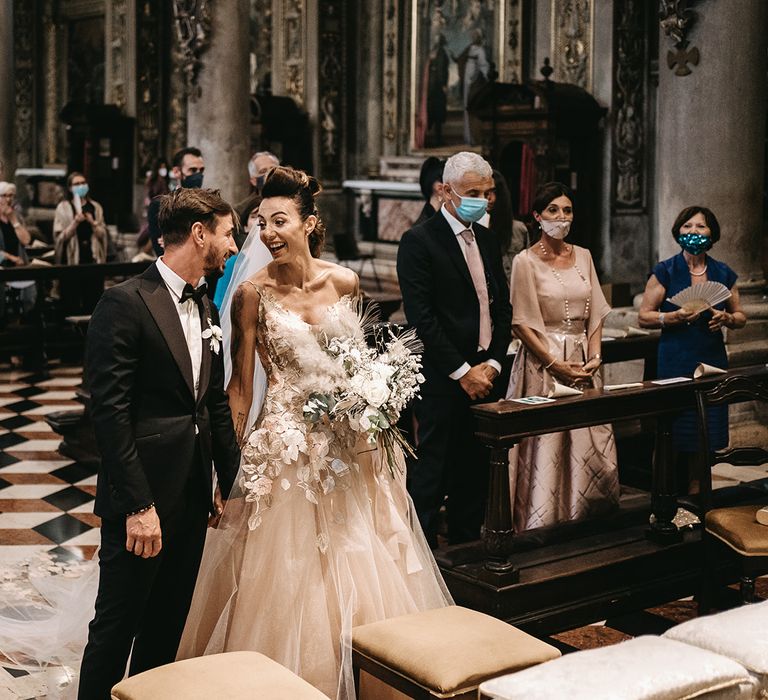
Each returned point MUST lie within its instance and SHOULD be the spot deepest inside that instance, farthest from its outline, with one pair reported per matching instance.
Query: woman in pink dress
(558, 312)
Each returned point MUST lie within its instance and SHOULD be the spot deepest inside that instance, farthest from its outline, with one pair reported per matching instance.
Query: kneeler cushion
(644, 668)
(236, 675)
(741, 634)
(449, 650)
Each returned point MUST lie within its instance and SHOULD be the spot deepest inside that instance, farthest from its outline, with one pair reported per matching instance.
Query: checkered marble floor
(46, 500)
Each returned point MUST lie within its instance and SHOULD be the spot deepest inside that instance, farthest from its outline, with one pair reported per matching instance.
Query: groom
(161, 418)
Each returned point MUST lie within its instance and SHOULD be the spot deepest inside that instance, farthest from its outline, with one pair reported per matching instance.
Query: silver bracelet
(550, 364)
(661, 318)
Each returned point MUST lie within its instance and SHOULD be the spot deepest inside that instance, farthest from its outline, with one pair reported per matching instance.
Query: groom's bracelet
(141, 510)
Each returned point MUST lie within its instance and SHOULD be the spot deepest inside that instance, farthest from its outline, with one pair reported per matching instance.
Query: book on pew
(39, 262)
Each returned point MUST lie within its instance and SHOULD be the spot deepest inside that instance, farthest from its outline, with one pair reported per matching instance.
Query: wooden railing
(44, 330)
(53, 272)
(503, 424)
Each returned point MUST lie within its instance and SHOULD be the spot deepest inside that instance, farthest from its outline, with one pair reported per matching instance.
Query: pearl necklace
(558, 277)
(698, 274)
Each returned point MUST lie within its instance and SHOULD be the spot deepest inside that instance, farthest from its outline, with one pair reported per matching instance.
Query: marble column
(218, 117)
(7, 96)
(711, 130)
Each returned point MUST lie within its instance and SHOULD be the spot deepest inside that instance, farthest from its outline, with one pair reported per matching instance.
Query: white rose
(376, 393)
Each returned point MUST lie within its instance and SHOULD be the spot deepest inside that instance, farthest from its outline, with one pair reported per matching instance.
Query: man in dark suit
(161, 418)
(456, 296)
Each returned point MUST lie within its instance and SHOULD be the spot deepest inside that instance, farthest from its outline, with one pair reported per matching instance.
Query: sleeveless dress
(681, 348)
(572, 474)
(327, 537)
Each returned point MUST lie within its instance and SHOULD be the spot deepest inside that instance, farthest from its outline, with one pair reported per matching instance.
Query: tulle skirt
(295, 586)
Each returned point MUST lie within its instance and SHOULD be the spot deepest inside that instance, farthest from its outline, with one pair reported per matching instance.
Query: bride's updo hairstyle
(282, 181)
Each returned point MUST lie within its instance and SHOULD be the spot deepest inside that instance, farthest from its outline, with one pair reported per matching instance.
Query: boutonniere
(214, 333)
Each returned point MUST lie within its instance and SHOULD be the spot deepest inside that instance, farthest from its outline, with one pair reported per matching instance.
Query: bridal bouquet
(377, 386)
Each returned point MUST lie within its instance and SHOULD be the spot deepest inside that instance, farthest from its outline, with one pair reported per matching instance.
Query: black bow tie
(191, 293)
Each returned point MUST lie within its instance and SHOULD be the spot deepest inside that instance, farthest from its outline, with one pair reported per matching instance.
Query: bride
(319, 534)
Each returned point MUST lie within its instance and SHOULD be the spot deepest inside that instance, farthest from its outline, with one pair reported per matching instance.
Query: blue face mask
(193, 181)
(80, 190)
(472, 209)
(694, 243)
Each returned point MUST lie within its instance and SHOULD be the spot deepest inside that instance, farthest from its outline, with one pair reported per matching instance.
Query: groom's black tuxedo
(440, 301)
(147, 420)
(158, 441)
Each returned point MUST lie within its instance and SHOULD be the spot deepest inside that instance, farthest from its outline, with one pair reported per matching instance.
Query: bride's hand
(218, 506)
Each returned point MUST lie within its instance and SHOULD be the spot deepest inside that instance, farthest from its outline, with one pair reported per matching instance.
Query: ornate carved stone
(117, 83)
(572, 42)
(331, 73)
(293, 49)
(390, 70)
(177, 103)
(261, 38)
(192, 19)
(676, 19)
(513, 68)
(24, 57)
(630, 88)
(150, 17)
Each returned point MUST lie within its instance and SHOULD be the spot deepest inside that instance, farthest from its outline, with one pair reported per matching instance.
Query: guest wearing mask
(187, 170)
(687, 337)
(80, 238)
(456, 297)
(557, 313)
(259, 165)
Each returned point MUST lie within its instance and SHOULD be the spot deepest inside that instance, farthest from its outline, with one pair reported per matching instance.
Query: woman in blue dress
(688, 338)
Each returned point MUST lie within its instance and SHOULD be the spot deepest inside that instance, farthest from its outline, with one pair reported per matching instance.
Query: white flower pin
(214, 333)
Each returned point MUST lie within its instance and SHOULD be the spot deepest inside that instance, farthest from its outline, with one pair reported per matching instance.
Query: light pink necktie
(477, 272)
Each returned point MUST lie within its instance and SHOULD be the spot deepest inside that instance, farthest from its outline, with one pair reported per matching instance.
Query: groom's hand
(143, 535)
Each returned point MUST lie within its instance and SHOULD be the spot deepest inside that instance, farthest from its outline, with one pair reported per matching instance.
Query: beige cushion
(644, 668)
(450, 650)
(739, 529)
(741, 634)
(235, 675)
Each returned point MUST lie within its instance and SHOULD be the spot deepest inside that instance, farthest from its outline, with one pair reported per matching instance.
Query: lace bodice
(289, 346)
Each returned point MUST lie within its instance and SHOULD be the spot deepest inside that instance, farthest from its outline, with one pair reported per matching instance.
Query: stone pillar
(369, 95)
(711, 130)
(218, 116)
(7, 93)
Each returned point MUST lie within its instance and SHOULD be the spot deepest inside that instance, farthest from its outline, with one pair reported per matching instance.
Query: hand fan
(699, 297)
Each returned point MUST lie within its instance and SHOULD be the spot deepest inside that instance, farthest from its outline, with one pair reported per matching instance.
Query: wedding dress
(327, 537)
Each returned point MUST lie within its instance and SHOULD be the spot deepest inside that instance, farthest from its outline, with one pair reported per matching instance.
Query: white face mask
(556, 229)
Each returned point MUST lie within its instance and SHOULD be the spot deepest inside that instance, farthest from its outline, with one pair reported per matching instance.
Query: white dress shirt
(458, 228)
(189, 317)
